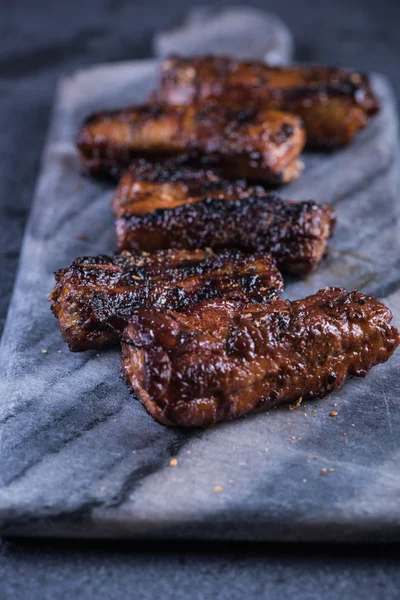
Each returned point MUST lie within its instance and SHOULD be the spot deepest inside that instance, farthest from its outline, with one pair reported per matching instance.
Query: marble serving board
(79, 456)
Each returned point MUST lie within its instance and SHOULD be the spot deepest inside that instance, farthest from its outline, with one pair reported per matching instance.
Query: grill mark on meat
(95, 297)
(241, 143)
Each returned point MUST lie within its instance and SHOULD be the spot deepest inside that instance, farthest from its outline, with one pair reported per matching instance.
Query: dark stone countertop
(39, 42)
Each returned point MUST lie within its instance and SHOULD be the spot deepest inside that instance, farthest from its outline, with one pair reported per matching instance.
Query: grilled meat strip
(219, 361)
(254, 143)
(148, 186)
(95, 297)
(334, 104)
(296, 234)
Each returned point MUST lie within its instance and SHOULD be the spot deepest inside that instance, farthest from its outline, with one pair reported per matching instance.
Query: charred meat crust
(218, 361)
(251, 143)
(95, 297)
(296, 234)
(333, 103)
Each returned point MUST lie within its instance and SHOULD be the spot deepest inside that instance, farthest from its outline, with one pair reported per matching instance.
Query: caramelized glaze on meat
(95, 297)
(148, 186)
(296, 234)
(218, 361)
(254, 143)
(333, 103)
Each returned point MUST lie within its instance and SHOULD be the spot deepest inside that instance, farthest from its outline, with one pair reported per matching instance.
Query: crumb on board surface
(296, 404)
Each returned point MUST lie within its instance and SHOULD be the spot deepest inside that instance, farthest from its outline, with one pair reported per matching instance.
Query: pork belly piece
(95, 297)
(333, 103)
(218, 361)
(148, 186)
(296, 234)
(254, 143)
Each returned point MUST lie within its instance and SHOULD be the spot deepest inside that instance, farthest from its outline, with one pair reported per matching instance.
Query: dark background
(40, 41)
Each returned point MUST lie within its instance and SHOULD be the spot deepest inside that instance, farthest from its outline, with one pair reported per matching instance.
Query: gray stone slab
(79, 456)
(241, 31)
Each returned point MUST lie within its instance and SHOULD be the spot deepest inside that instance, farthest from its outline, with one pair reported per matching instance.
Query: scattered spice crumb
(78, 186)
(333, 413)
(296, 404)
(346, 441)
(43, 351)
(218, 489)
(81, 238)
(345, 434)
(315, 457)
(173, 462)
(353, 425)
(323, 471)
(331, 470)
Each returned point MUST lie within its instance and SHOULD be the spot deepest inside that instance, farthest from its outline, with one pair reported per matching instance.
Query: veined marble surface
(80, 457)
(242, 31)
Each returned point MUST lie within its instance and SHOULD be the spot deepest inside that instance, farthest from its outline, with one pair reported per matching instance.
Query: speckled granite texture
(80, 457)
